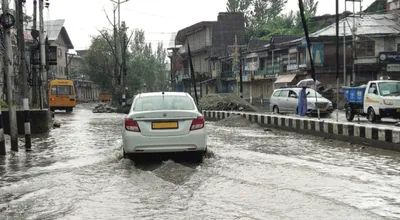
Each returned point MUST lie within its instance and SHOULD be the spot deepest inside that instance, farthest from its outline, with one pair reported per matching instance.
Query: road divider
(386, 138)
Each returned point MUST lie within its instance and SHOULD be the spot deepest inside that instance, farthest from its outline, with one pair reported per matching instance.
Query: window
(62, 90)
(284, 93)
(60, 53)
(398, 47)
(277, 93)
(312, 93)
(292, 94)
(389, 88)
(163, 103)
(372, 88)
(366, 47)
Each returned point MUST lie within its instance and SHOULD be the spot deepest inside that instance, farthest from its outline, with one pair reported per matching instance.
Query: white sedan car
(164, 122)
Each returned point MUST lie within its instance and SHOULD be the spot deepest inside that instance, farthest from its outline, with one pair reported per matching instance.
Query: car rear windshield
(62, 90)
(163, 103)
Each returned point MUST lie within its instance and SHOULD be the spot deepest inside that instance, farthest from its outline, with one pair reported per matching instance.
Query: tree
(99, 64)
(266, 19)
(261, 12)
(240, 6)
(142, 66)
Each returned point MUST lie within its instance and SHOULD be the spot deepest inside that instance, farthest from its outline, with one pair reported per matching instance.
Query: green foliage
(3, 104)
(142, 65)
(265, 19)
(378, 6)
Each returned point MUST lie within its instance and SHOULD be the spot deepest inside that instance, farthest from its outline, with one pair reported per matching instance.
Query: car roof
(293, 88)
(153, 94)
(378, 81)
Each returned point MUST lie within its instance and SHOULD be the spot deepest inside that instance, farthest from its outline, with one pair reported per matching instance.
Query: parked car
(164, 122)
(285, 100)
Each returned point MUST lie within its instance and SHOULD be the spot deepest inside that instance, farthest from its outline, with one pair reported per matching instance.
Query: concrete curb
(378, 136)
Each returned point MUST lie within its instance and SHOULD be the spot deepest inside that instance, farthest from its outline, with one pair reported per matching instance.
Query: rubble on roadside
(56, 124)
(104, 108)
(236, 121)
(226, 102)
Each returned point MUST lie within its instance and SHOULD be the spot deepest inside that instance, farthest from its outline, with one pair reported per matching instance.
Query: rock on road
(77, 172)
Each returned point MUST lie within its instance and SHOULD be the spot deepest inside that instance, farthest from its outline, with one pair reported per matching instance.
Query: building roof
(376, 24)
(255, 44)
(171, 43)
(182, 34)
(53, 29)
(81, 53)
(278, 39)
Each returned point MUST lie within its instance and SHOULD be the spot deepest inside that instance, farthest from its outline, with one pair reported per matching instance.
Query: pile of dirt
(235, 121)
(104, 108)
(226, 102)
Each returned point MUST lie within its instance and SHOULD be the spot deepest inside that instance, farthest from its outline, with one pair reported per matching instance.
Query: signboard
(270, 76)
(394, 67)
(318, 54)
(389, 57)
(292, 67)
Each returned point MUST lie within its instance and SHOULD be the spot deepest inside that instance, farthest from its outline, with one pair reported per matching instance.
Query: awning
(285, 78)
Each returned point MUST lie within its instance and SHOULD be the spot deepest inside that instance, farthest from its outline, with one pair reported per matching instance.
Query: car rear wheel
(198, 156)
(275, 109)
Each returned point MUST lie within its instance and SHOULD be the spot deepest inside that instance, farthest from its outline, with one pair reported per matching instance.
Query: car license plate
(165, 125)
(398, 110)
(322, 109)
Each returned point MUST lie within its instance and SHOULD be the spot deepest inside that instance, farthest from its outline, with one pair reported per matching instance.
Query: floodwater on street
(77, 172)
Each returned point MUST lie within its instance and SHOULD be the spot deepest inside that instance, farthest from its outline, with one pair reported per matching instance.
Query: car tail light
(197, 123)
(131, 125)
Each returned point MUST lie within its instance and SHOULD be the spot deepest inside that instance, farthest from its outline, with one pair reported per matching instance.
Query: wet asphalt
(78, 172)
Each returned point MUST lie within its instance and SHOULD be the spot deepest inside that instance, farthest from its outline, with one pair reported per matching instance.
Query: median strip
(386, 138)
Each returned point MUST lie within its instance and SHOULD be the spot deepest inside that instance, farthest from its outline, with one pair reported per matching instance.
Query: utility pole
(119, 51)
(22, 69)
(43, 73)
(237, 63)
(67, 63)
(354, 31)
(337, 60)
(35, 35)
(8, 61)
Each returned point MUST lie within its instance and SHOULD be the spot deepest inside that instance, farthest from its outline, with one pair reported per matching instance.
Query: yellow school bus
(62, 95)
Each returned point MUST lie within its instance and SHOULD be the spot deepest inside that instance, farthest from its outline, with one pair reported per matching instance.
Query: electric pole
(9, 70)
(119, 50)
(43, 73)
(22, 69)
(35, 35)
(237, 64)
(67, 63)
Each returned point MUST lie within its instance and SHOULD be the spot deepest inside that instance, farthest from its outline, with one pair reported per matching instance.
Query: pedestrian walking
(302, 102)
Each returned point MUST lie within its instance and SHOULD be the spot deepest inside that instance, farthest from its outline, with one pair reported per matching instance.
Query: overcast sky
(158, 18)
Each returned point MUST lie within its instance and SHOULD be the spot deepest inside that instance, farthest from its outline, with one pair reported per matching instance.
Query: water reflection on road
(77, 172)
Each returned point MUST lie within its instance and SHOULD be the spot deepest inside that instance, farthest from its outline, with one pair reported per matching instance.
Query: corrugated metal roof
(366, 25)
(53, 29)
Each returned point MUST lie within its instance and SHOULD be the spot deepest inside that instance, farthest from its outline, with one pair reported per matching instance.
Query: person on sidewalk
(302, 102)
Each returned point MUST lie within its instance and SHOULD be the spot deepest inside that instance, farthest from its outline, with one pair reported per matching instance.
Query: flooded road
(77, 172)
